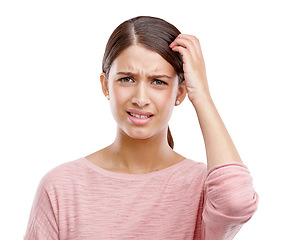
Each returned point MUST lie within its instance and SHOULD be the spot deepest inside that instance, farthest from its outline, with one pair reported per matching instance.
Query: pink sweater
(79, 200)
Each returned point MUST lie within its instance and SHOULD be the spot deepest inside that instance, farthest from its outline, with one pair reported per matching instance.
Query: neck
(141, 155)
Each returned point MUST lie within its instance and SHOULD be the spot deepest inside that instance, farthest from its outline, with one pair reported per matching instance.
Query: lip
(139, 121)
(140, 112)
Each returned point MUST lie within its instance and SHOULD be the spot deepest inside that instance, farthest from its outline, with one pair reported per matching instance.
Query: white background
(53, 111)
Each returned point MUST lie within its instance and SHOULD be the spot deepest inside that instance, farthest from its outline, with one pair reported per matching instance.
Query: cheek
(118, 97)
(165, 101)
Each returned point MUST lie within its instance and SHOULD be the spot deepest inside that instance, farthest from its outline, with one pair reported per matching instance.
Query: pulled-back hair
(155, 34)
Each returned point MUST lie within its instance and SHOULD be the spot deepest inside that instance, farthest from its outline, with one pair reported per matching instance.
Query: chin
(139, 134)
(142, 132)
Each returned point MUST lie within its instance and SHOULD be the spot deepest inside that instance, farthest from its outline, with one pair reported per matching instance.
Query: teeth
(139, 116)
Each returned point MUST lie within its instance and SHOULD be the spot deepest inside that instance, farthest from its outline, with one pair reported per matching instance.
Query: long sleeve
(79, 200)
(230, 201)
(42, 221)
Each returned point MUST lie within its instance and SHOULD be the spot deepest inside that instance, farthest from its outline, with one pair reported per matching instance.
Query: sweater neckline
(129, 176)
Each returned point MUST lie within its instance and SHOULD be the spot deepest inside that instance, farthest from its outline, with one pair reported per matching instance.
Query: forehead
(142, 61)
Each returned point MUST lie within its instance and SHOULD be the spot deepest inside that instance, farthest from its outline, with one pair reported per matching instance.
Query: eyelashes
(130, 80)
(125, 80)
(160, 82)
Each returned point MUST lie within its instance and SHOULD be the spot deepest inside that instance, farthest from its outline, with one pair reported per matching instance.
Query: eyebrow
(151, 76)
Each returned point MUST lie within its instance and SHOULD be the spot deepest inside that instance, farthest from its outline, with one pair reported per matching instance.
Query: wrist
(201, 100)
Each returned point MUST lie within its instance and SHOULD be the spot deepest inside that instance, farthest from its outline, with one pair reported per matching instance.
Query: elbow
(230, 192)
(240, 204)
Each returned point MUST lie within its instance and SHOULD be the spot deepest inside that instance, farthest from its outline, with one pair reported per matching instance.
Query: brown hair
(154, 34)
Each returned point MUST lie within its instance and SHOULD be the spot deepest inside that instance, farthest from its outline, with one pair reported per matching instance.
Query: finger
(187, 56)
(186, 36)
(186, 44)
(195, 41)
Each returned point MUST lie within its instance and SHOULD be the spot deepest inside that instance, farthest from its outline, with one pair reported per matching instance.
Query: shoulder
(194, 167)
(197, 166)
(190, 172)
(63, 174)
(195, 171)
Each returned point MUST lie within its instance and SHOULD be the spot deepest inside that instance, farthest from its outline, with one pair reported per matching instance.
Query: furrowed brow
(126, 73)
(156, 76)
(160, 76)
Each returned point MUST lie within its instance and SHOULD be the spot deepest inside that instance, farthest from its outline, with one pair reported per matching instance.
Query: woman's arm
(219, 146)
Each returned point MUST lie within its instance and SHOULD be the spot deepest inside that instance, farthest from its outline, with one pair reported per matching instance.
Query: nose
(141, 97)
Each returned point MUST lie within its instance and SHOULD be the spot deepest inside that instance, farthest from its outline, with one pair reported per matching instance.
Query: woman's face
(143, 88)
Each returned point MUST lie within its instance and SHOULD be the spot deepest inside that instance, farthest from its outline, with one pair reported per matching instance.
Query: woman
(138, 187)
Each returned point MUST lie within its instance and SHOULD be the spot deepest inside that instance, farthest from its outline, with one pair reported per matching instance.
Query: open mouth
(139, 115)
(139, 118)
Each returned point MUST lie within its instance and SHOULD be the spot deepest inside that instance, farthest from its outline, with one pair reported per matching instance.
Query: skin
(220, 148)
(142, 149)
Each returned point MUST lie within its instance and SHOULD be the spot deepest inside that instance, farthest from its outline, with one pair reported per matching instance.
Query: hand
(193, 66)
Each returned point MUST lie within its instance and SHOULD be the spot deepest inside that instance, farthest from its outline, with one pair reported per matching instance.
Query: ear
(182, 91)
(104, 84)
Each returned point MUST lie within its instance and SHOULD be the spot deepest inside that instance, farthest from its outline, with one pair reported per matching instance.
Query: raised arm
(219, 146)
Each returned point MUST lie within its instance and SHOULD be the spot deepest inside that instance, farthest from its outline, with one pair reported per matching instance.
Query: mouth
(139, 117)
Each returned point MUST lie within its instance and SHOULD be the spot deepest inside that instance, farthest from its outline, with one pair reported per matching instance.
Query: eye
(126, 80)
(159, 82)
